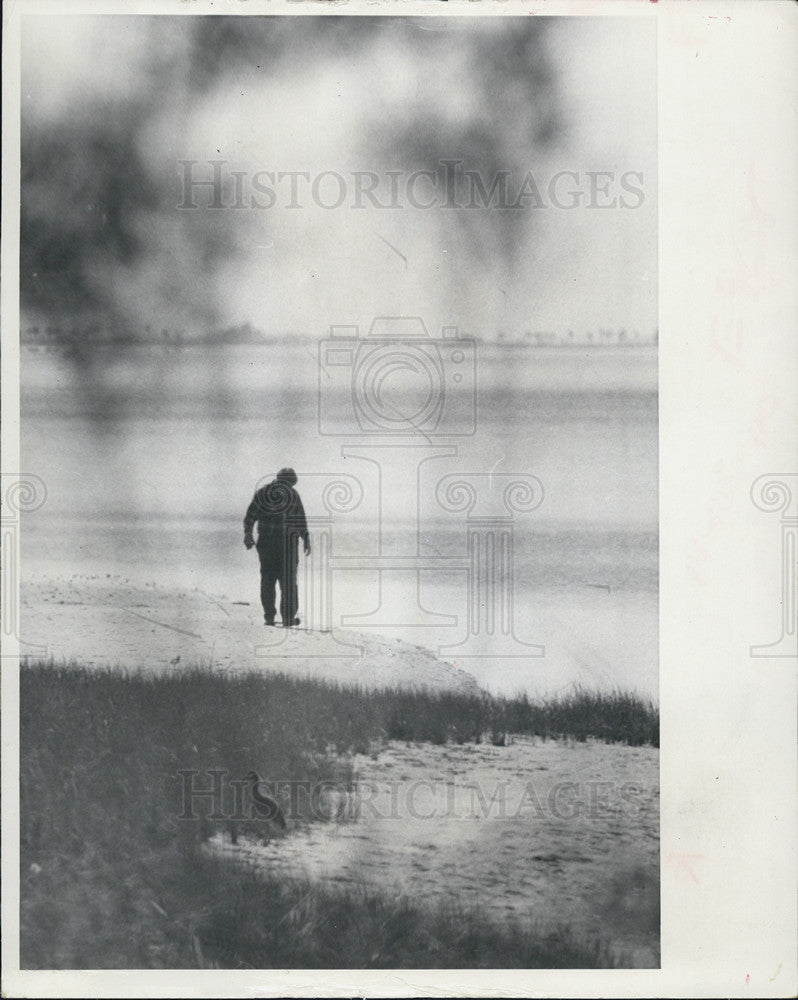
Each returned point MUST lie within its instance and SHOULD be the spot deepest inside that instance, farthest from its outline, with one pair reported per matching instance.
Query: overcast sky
(113, 106)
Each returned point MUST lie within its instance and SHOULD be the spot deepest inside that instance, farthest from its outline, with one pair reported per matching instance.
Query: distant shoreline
(533, 341)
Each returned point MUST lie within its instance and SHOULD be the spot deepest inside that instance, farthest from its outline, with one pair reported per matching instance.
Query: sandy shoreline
(542, 831)
(107, 620)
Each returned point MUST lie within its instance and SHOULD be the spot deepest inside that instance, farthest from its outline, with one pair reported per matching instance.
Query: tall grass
(439, 717)
(111, 877)
(169, 910)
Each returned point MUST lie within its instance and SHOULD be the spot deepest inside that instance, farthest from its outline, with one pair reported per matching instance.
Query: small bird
(175, 661)
(268, 807)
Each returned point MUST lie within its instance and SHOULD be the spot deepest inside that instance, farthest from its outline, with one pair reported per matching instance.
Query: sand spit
(108, 620)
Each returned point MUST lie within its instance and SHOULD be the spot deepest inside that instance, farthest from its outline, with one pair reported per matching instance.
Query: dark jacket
(277, 509)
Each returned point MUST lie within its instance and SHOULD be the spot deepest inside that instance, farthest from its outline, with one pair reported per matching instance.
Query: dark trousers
(278, 564)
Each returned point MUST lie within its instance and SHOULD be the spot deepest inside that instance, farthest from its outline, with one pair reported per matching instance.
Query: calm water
(150, 457)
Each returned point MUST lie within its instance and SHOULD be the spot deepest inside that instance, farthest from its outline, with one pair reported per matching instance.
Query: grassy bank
(111, 877)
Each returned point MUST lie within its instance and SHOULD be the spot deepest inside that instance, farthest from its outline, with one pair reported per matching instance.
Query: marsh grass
(112, 878)
(166, 909)
(440, 717)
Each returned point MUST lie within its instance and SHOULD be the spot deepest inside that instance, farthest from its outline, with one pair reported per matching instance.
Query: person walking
(277, 509)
